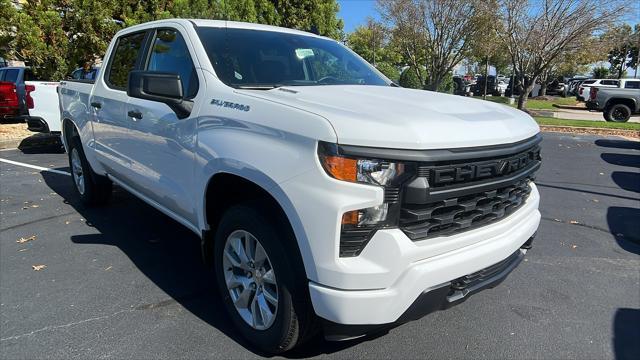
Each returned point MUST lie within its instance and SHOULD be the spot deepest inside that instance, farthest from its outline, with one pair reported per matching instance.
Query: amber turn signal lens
(350, 218)
(341, 168)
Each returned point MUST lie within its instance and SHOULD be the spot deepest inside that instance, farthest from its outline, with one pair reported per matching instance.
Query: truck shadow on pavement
(41, 144)
(626, 333)
(169, 255)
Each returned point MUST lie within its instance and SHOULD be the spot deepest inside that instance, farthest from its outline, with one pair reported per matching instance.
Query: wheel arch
(631, 103)
(227, 188)
(69, 128)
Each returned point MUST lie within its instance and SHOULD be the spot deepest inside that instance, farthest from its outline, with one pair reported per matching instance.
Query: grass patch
(586, 123)
(535, 104)
(548, 104)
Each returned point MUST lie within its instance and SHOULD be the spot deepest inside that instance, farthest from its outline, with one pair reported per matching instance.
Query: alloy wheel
(250, 279)
(76, 170)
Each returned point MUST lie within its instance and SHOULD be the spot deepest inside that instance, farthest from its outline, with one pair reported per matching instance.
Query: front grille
(353, 240)
(462, 213)
(448, 198)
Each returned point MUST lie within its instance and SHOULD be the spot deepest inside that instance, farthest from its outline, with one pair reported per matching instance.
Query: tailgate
(45, 103)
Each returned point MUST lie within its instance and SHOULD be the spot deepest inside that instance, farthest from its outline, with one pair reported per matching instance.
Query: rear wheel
(617, 113)
(92, 188)
(263, 292)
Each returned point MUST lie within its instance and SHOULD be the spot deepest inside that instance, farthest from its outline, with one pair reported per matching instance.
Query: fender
(257, 177)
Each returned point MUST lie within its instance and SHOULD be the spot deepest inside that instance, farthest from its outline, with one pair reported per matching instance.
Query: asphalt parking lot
(125, 281)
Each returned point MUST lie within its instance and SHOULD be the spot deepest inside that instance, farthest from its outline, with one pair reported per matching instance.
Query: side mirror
(160, 87)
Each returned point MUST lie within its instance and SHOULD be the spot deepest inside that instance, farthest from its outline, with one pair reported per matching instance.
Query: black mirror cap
(155, 86)
(161, 87)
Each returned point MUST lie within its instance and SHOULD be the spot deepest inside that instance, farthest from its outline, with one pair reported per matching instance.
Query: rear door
(164, 154)
(114, 141)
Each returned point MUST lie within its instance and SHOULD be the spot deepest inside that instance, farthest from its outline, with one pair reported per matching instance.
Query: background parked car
(617, 104)
(583, 89)
(492, 86)
(28, 98)
(460, 86)
(513, 88)
(84, 73)
(556, 87)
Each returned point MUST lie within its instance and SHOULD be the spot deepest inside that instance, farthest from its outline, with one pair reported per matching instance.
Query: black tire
(295, 320)
(97, 189)
(617, 113)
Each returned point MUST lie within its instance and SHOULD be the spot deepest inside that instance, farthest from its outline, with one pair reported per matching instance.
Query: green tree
(600, 72)
(412, 78)
(41, 40)
(433, 34)
(91, 26)
(624, 54)
(55, 36)
(8, 15)
(389, 70)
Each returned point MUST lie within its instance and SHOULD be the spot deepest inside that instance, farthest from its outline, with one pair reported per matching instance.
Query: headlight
(367, 171)
(358, 226)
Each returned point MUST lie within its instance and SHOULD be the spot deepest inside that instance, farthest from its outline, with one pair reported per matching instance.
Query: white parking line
(34, 167)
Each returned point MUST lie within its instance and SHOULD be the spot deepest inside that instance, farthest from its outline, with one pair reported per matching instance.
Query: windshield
(265, 59)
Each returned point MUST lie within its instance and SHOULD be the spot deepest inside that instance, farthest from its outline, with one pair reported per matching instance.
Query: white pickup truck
(326, 197)
(25, 97)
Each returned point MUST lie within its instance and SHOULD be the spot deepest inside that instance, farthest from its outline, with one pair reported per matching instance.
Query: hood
(392, 117)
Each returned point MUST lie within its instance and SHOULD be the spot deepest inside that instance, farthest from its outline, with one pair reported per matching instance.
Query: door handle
(96, 105)
(135, 114)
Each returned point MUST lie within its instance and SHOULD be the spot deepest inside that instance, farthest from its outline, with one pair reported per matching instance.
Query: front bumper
(409, 269)
(439, 298)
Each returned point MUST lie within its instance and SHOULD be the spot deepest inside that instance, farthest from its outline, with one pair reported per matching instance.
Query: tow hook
(529, 243)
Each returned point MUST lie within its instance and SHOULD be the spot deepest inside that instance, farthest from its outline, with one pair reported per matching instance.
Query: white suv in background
(585, 87)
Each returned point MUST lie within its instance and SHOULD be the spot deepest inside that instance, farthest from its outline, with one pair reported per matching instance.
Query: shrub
(409, 78)
(389, 70)
(600, 72)
(446, 86)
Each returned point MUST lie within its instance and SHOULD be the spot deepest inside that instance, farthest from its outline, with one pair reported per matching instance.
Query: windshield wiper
(257, 87)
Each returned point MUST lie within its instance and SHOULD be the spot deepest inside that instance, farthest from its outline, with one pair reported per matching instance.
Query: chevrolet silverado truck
(326, 198)
(25, 97)
(616, 104)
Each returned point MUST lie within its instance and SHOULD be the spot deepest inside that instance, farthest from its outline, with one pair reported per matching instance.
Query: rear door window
(11, 75)
(609, 82)
(170, 54)
(632, 85)
(30, 76)
(124, 59)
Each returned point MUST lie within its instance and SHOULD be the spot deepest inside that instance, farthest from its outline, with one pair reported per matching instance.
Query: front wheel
(92, 188)
(617, 113)
(262, 291)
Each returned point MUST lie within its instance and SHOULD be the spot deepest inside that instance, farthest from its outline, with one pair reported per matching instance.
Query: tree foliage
(624, 54)
(537, 33)
(56, 36)
(389, 70)
(435, 34)
(412, 78)
(600, 72)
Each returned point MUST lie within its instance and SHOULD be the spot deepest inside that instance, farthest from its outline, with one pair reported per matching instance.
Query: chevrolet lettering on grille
(482, 170)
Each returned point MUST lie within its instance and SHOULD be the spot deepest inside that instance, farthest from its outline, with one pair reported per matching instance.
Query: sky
(355, 12)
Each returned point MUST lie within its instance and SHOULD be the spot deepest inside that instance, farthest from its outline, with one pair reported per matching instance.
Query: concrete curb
(630, 134)
(10, 143)
(570, 107)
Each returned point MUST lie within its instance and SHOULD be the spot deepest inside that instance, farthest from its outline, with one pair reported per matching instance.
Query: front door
(163, 160)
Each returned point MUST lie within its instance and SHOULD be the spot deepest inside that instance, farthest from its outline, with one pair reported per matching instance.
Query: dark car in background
(492, 86)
